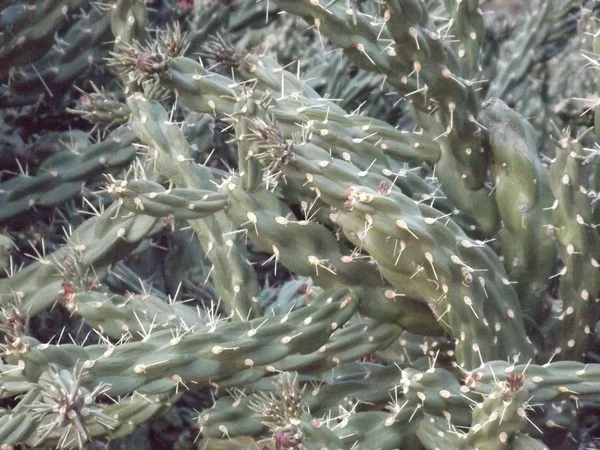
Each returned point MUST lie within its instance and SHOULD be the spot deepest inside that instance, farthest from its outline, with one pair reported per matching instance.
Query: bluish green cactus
(298, 224)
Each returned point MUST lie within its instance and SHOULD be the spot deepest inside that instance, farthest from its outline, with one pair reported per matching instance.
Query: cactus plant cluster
(299, 224)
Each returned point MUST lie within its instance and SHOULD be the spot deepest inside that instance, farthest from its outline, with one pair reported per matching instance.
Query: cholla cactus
(321, 224)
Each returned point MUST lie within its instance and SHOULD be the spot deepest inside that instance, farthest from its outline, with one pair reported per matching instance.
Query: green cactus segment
(411, 247)
(287, 419)
(437, 392)
(134, 316)
(59, 412)
(309, 249)
(579, 246)
(496, 421)
(12, 381)
(62, 175)
(163, 360)
(90, 250)
(371, 145)
(548, 383)
(204, 91)
(101, 108)
(29, 31)
(249, 167)
(525, 442)
(129, 22)
(235, 280)
(524, 200)
(466, 24)
(71, 56)
(421, 68)
(7, 246)
(433, 434)
(500, 416)
(321, 395)
(150, 198)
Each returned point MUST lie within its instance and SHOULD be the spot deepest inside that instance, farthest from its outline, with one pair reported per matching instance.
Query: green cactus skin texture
(299, 224)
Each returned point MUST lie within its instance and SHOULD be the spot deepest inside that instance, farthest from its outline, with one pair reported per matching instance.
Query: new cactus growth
(299, 224)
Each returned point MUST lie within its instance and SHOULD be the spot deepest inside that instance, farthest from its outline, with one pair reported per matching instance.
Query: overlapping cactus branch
(413, 58)
(298, 224)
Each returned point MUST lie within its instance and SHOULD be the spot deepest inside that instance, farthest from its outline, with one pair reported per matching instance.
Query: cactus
(298, 224)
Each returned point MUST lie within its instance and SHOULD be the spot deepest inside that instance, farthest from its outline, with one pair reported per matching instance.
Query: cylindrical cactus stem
(427, 75)
(354, 387)
(60, 412)
(78, 49)
(92, 247)
(387, 224)
(433, 434)
(524, 198)
(437, 392)
(101, 108)
(247, 143)
(152, 199)
(574, 227)
(466, 296)
(60, 176)
(466, 25)
(30, 30)
(235, 280)
(310, 249)
(500, 416)
(164, 359)
(548, 383)
(369, 144)
(129, 22)
(134, 317)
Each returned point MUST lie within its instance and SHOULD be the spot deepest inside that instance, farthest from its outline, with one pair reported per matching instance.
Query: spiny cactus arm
(433, 434)
(322, 396)
(524, 198)
(288, 421)
(524, 442)
(70, 57)
(59, 412)
(573, 221)
(417, 63)
(496, 421)
(437, 391)
(152, 199)
(165, 359)
(371, 145)
(84, 260)
(550, 382)
(101, 108)
(12, 381)
(129, 21)
(61, 176)
(501, 415)
(30, 31)
(342, 347)
(132, 317)
(212, 93)
(466, 25)
(389, 214)
(235, 280)
(17, 425)
(309, 249)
